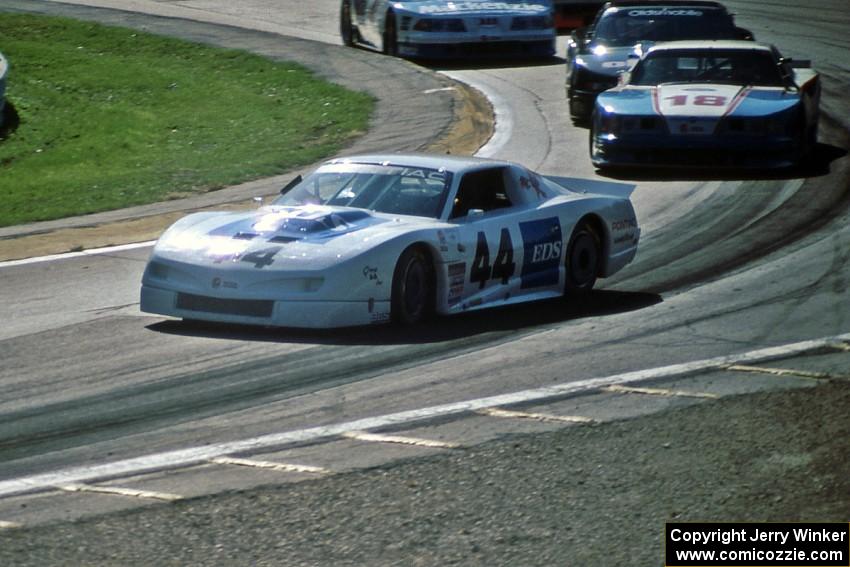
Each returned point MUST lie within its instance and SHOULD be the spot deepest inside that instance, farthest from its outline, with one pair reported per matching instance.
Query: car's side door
(510, 249)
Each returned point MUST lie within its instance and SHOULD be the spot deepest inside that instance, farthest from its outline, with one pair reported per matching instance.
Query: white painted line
(617, 389)
(498, 412)
(779, 372)
(132, 493)
(283, 467)
(69, 255)
(10, 525)
(377, 438)
(504, 118)
(194, 455)
(440, 90)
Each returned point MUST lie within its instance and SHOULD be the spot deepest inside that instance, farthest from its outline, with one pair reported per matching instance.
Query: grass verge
(112, 117)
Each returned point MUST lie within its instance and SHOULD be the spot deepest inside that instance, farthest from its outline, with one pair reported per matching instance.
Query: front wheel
(346, 31)
(390, 35)
(413, 285)
(592, 144)
(583, 261)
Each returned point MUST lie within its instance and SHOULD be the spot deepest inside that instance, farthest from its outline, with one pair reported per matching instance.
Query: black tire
(390, 35)
(591, 141)
(346, 29)
(413, 288)
(583, 260)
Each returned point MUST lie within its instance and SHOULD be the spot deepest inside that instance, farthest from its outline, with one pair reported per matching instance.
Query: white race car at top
(373, 239)
(436, 29)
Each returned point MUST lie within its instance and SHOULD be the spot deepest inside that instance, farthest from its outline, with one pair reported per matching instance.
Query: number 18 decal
(699, 100)
(503, 268)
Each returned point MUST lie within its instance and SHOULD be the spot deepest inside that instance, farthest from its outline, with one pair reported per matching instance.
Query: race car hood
(685, 104)
(436, 8)
(608, 60)
(285, 238)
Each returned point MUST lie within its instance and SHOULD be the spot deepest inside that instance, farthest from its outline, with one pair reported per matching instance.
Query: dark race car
(626, 29)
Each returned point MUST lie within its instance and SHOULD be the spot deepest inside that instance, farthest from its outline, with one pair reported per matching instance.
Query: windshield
(731, 66)
(392, 189)
(621, 27)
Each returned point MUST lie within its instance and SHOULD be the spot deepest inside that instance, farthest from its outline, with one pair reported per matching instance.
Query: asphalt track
(727, 266)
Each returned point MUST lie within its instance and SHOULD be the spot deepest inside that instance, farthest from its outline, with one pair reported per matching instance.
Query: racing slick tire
(413, 288)
(390, 46)
(583, 260)
(346, 29)
(591, 144)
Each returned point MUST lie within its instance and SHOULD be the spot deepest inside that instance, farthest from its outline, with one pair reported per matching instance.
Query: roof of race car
(430, 161)
(710, 44)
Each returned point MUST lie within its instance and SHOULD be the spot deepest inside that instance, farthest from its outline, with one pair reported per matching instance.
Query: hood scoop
(281, 239)
(291, 225)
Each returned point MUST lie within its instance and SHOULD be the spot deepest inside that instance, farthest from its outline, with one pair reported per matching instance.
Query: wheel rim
(584, 260)
(415, 290)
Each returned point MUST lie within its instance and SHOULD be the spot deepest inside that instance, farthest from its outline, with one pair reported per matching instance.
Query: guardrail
(4, 70)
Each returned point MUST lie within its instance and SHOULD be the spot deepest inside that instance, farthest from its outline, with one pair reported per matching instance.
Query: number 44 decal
(503, 268)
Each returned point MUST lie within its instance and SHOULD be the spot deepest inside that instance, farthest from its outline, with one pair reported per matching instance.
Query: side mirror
(581, 36)
(291, 184)
(745, 34)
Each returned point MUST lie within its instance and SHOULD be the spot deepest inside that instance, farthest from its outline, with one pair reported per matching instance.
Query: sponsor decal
(648, 13)
(457, 277)
(371, 274)
(444, 245)
(450, 7)
(379, 317)
(532, 182)
(624, 224)
(543, 247)
(424, 174)
(218, 283)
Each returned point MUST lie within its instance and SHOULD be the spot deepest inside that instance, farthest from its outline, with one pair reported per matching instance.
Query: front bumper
(479, 49)
(316, 314)
(695, 152)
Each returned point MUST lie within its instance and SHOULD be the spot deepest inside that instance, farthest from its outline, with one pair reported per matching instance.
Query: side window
(484, 190)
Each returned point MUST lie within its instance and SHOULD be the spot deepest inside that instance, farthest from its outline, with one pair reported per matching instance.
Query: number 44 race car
(371, 239)
(433, 29)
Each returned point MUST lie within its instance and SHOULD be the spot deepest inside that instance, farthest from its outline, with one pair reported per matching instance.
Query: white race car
(433, 29)
(372, 239)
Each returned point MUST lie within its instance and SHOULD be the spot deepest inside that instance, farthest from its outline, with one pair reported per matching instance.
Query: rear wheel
(390, 35)
(584, 258)
(413, 288)
(345, 27)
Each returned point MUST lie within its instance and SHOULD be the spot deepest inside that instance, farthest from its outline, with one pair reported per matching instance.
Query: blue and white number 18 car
(709, 103)
(373, 239)
(431, 29)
